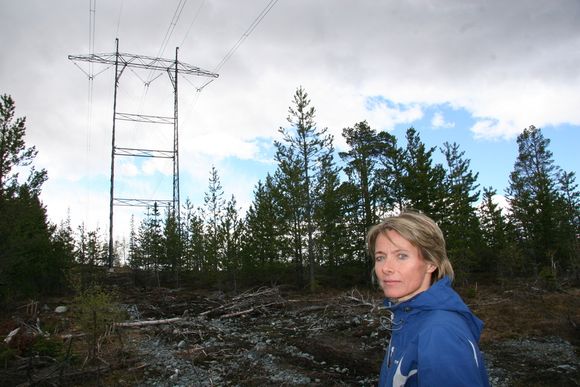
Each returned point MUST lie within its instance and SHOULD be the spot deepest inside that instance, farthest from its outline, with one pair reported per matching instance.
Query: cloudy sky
(472, 72)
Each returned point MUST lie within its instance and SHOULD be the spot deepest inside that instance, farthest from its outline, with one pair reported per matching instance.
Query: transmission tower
(121, 61)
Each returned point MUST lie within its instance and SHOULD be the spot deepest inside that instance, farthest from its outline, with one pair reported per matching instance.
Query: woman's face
(401, 270)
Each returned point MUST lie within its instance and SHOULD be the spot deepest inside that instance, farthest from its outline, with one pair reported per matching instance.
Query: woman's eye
(378, 258)
(402, 256)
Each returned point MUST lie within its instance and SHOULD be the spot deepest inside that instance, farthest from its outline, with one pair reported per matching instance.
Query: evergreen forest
(307, 222)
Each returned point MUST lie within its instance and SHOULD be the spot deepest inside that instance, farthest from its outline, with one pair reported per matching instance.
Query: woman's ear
(431, 268)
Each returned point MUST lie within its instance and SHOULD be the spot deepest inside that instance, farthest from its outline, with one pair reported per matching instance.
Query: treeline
(307, 222)
(311, 215)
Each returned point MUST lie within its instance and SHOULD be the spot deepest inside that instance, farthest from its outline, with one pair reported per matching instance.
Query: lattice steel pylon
(121, 61)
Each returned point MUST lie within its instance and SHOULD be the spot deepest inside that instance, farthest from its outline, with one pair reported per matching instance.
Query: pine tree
(423, 182)
(532, 196)
(304, 147)
(14, 155)
(288, 195)
(369, 174)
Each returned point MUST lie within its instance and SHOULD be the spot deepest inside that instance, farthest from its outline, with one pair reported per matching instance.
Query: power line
(171, 28)
(250, 29)
(119, 18)
(92, 27)
(193, 21)
(172, 24)
(90, 76)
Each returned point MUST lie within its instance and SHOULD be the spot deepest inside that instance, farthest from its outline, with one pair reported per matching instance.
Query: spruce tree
(391, 176)
(150, 240)
(135, 251)
(194, 239)
(213, 212)
(329, 214)
(493, 231)
(173, 247)
(262, 237)
(459, 220)
(64, 236)
(569, 215)
(231, 228)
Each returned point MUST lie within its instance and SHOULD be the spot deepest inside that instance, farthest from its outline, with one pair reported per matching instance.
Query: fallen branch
(247, 302)
(137, 324)
(490, 302)
(234, 314)
(212, 310)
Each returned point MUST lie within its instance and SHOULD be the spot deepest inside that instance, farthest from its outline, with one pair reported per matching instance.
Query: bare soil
(274, 336)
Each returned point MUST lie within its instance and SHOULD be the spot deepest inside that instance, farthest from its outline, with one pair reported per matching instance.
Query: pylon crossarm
(144, 62)
(144, 118)
(143, 202)
(136, 152)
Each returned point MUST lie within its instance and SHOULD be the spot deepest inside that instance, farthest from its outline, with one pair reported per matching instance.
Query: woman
(435, 336)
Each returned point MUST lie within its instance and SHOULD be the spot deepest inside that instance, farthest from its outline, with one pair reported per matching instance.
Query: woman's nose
(387, 267)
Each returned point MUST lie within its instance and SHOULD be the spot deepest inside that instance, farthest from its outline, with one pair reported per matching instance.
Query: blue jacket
(434, 342)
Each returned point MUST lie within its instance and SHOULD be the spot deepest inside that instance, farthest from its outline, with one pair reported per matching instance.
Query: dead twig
(356, 296)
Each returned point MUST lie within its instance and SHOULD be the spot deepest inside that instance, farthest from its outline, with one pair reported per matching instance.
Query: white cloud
(490, 129)
(127, 168)
(153, 165)
(438, 121)
(510, 64)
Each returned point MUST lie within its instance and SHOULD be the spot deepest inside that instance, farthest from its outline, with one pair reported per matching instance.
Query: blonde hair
(422, 232)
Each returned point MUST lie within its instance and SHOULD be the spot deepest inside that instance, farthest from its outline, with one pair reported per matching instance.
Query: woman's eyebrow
(396, 250)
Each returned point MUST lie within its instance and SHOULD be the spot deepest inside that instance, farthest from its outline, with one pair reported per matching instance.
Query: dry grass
(526, 311)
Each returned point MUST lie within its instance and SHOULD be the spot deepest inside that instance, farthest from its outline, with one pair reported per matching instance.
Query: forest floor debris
(271, 337)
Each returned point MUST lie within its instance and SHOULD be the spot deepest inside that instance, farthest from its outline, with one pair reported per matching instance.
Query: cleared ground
(274, 336)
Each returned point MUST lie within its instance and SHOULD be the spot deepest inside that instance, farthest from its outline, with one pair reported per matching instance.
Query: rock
(181, 344)
(60, 309)
(11, 335)
(175, 374)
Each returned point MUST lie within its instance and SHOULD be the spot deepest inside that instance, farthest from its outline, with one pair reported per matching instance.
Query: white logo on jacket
(399, 379)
